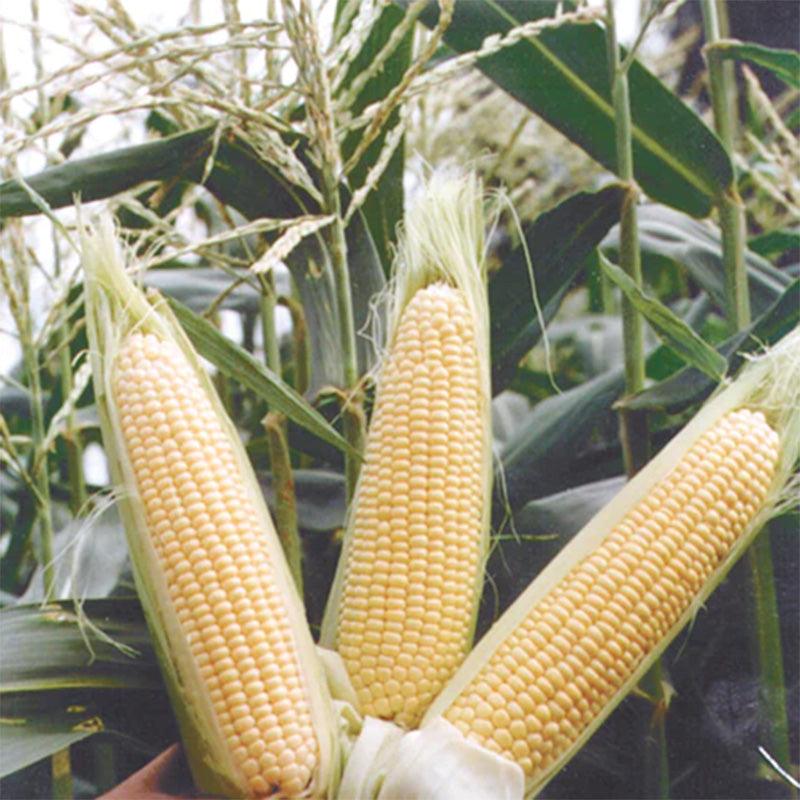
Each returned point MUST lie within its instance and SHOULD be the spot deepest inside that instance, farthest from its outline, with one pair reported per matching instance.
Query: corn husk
(115, 308)
(435, 762)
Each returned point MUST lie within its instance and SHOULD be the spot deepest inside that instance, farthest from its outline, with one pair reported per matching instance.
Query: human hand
(166, 777)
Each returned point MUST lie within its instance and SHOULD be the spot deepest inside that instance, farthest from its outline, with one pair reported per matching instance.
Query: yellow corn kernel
(579, 645)
(404, 602)
(219, 575)
(226, 623)
(416, 549)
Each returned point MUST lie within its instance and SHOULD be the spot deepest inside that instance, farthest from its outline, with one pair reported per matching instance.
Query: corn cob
(402, 612)
(228, 626)
(569, 649)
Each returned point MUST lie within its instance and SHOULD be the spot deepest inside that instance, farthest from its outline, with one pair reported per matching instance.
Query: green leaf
(692, 386)
(565, 513)
(668, 235)
(38, 724)
(670, 328)
(20, 531)
(242, 179)
(239, 175)
(696, 313)
(247, 183)
(107, 174)
(241, 366)
(562, 75)
(29, 737)
(775, 243)
(543, 527)
(531, 383)
(60, 684)
(557, 430)
(383, 209)
(784, 64)
(199, 287)
(44, 648)
(14, 402)
(90, 559)
(559, 242)
(594, 343)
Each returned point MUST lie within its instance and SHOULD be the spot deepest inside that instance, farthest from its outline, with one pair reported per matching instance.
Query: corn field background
(257, 158)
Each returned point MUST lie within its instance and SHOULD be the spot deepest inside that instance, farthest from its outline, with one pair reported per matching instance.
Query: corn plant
(389, 392)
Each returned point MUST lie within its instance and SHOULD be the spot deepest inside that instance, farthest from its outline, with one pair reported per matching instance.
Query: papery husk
(433, 763)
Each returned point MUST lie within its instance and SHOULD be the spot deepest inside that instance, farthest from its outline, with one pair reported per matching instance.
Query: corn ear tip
(775, 377)
(99, 243)
(442, 238)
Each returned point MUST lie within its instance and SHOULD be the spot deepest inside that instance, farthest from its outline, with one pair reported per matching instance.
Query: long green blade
(562, 75)
(237, 363)
(784, 64)
(671, 329)
(559, 242)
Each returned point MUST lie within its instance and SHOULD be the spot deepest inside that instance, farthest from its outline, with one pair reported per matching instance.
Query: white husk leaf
(339, 684)
(366, 766)
(388, 763)
(115, 307)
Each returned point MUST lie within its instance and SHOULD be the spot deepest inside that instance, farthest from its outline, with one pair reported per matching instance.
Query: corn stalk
(765, 629)
(633, 424)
